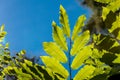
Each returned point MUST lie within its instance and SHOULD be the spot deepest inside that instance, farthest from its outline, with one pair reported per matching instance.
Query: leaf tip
(53, 23)
(61, 7)
(2, 27)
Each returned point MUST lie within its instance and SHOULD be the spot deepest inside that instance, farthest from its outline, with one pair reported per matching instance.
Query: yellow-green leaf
(105, 12)
(117, 60)
(2, 28)
(18, 72)
(115, 27)
(24, 65)
(58, 36)
(78, 26)
(104, 1)
(113, 6)
(53, 50)
(2, 35)
(55, 66)
(6, 45)
(64, 21)
(80, 42)
(81, 57)
(84, 73)
(22, 52)
(21, 75)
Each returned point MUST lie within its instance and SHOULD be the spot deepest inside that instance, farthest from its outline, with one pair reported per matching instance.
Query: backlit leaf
(53, 50)
(115, 29)
(81, 57)
(115, 25)
(55, 66)
(2, 28)
(29, 70)
(104, 1)
(58, 36)
(80, 42)
(113, 6)
(105, 12)
(117, 60)
(84, 73)
(78, 26)
(64, 21)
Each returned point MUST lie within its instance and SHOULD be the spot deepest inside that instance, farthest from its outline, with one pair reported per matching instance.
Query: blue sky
(28, 22)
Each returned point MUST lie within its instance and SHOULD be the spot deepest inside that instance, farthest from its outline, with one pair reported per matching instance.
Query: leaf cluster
(93, 49)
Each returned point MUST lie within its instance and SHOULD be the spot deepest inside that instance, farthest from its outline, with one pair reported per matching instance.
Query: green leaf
(29, 70)
(84, 73)
(2, 28)
(6, 45)
(64, 21)
(22, 52)
(46, 73)
(55, 66)
(81, 57)
(117, 60)
(59, 77)
(105, 12)
(18, 71)
(2, 35)
(53, 50)
(115, 25)
(115, 29)
(34, 68)
(113, 6)
(78, 26)
(104, 1)
(58, 36)
(20, 74)
(80, 42)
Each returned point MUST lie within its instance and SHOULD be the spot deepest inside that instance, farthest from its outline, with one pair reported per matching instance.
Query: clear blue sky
(28, 22)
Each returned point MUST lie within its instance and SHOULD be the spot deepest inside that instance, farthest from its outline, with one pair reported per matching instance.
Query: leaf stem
(70, 61)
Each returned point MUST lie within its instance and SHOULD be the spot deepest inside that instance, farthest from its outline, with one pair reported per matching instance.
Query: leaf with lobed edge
(84, 73)
(113, 6)
(29, 70)
(81, 57)
(64, 21)
(80, 42)
(58, 36)
(53, 50)
(55, 66)
(78, 26)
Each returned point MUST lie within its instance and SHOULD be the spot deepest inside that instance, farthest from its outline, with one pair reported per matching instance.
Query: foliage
(21, 67)
(97, 51)
(106, 39)
(4, 53)
(93, 49)
(60, 53)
